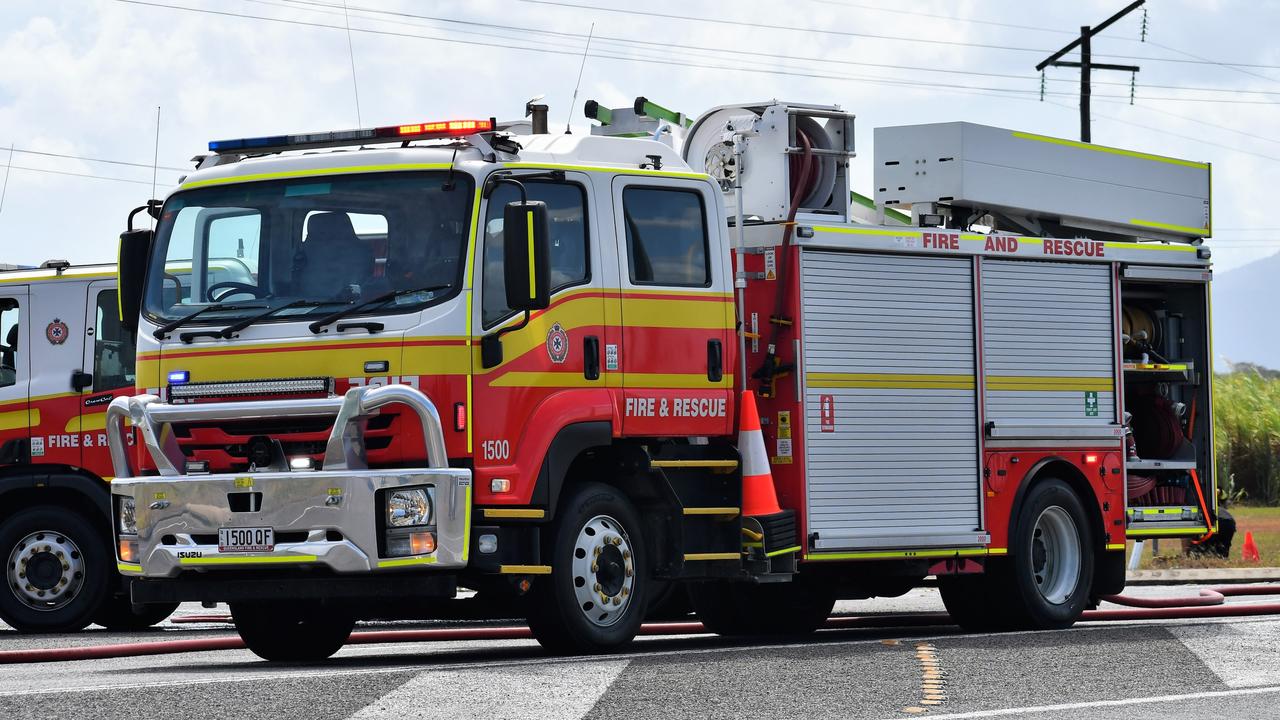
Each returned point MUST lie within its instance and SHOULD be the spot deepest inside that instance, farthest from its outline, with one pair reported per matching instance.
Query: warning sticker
(610, 357)
(827, 412)
(770, 264)
(784, 437)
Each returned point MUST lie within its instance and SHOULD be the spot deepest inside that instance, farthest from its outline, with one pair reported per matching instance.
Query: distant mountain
(1246, 302)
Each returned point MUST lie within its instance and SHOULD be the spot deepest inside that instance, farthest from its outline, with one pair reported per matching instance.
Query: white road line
(1004, 712)
(563, 693)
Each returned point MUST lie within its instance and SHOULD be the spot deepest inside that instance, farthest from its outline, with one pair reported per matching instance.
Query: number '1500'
(495, 449)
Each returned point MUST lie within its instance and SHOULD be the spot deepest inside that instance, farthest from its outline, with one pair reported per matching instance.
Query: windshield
(330, 242)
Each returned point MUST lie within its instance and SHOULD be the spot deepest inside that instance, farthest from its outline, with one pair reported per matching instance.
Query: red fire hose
(1210, 602)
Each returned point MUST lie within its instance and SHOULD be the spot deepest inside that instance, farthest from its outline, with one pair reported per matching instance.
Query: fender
(1104, 574)
(42, 478)
(549, 417)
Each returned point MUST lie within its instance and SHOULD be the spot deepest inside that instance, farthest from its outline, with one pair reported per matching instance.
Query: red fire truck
(472, 354)
(63, 357)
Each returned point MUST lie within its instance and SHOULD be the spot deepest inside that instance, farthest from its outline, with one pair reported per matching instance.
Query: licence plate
(246, 540)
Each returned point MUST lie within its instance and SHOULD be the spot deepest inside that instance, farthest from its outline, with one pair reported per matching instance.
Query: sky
(85, 77)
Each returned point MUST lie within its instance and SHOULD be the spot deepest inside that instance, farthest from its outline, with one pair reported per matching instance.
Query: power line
(850, 33)
(97, 160)
(666, 60)
(82, 175)
(309, 4)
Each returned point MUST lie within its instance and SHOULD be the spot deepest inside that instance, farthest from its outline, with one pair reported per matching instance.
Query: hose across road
(1210, 602)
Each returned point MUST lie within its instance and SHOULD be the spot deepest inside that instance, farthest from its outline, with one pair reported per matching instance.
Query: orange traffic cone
(1249, 551)
(758, 494)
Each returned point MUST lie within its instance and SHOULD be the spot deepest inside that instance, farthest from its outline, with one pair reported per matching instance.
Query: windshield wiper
(172, 325)
(382, 299)
(226, 332)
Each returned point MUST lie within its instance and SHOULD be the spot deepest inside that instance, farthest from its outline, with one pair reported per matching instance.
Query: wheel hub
(45, 570)
(603, 570)
(1055, 555)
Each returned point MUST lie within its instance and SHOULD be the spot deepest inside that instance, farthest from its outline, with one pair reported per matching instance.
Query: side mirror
(131, 270)
(526, 254)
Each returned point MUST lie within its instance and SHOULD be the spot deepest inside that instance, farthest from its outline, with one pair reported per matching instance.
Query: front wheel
(1051, 558)
(292, 632)
(55, 572)
(595, 598)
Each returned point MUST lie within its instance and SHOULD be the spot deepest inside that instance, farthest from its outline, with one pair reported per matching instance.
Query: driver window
(113, 347)
(566, 211)
(10, 331)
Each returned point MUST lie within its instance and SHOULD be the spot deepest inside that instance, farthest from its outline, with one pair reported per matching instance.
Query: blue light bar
(178, 377)
(247, 143)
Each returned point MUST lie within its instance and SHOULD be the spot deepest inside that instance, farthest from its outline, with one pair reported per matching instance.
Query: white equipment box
(1080, 185)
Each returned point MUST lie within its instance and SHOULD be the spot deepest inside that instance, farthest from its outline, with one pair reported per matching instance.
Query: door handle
(715, 361)
(591, 357)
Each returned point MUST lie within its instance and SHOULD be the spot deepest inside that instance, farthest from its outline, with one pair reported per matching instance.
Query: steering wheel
(233, 288)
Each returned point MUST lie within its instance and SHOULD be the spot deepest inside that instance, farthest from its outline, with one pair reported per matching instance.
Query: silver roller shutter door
(890, 338)
(1048, 342)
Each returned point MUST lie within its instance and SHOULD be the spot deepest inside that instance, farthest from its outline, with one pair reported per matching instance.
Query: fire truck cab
(410, 359)
(63, 357)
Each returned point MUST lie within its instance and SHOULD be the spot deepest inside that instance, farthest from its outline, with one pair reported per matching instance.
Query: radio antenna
(574, 102)
(351, 53)
(8, 167)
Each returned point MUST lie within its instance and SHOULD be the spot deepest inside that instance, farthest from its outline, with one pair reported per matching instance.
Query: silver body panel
(898, 467)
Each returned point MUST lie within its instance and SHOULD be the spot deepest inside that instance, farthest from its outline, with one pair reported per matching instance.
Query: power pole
(1086, 64)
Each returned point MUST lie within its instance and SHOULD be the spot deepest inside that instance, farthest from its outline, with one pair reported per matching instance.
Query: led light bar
(338, 138)
(249, 388)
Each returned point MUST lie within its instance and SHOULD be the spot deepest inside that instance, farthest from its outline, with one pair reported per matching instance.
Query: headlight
(408, 507)
(128, 520)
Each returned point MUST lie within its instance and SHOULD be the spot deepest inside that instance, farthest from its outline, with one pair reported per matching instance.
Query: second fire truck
(465, 354)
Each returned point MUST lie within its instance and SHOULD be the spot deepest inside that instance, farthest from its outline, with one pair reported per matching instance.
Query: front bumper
(330, 519)
(332, 516)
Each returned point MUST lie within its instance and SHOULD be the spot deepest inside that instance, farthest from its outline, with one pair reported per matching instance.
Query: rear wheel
(1051, 559)
(794, 608)
(118, 613)
(596, 596)
(292, 632)
(55, 572)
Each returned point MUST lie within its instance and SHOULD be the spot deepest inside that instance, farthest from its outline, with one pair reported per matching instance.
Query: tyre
(118, 613)
(977, 603)
(57, 565)
(597, 593)
(292, 632)
(795, 608)
(1049, 576)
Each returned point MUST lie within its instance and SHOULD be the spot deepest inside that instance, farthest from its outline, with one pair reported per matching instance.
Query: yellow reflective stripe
(1170, 226)
(688, 381)
(1024, 382)
(21, 419)
(403, 562)
(784, 551)
(524, 569)
(9, 276)
(608, 169)
(889, 380)
(533, 274)
(528, 513)
(1110, 150)
(905, 232)
(262, 560)
(692, 557)
(466, 524)
(285, 174)
(1116, 546)
(711, 511)
(1150, 246)
(1165, 532)
(694, 463)
(924, 553)
(128, 567)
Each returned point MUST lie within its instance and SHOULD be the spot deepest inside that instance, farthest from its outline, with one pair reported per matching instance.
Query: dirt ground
(1263, 522)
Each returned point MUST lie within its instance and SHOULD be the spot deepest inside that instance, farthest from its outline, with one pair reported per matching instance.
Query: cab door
(677, 308)
(107, 371)
(14, 372)
(553, 371)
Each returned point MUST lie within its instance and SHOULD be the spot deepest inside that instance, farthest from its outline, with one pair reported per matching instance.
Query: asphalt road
(1164, 669)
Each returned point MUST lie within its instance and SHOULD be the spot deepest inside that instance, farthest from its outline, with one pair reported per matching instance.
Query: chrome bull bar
(345, 449)
(341, 495)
